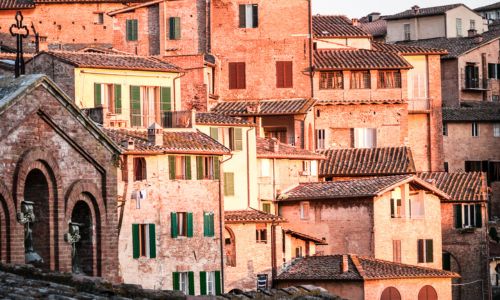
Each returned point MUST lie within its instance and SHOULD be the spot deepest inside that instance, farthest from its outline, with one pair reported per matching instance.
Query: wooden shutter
(176, 281)
(243, 16)
(97, 95)
(152, 241)
(118, 98)
(135, 30)
(205, 224)
(216, 168)
(228, 184)
(128, 29)
(191, 283)
(212, 224)
(175, 28)
(241, 75)
(280, 74)
(173, 224)
(135, 240)
(479, 216)
(203, 283)
(420, 250)
(393, 213)
(457, 213)
(427, 293)
(214, 133)
(233, 76)
(288, 72)
(238, 139)
(188, 167)
(429, 251)
(255, 15)
(199, 168)
(189, 224)
(446, 261)
(390, 293)
(171, 167)
(217, 283)
(135, 106)
(166, 99)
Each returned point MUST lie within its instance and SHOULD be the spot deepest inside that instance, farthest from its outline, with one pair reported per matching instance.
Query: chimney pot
(345, 263)
(415, 9)
(355, 22)
(155, 134)
(128, 144)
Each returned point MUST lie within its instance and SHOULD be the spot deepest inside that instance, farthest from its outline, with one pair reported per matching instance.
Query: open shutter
(238, 139)
(393, 213)
(97, 95)
(203, 283)
(429, 251)
(214, 133)
(243, 16)
(128, 29)
(457, 213)
(173, 224)
(205, 224)
(498, 71)
(479, 216)
(177, 28)
(118, 99)
(152, 241)
(189, 224)
(166, 99)
(216, 168)
(171, 167)
(199, 167)
(135, 30)
(135, 240)
(212, 224)
(191, 283)
(420, 250)
(188, 167)
(255, 15)
(176, 280)
(135, 106)
(217, 283)
(288, 72)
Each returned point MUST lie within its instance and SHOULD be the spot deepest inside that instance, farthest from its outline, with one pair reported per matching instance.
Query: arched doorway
(85, 246)
(36, 190)
(230, 247)
(390, 293)
(427, 293)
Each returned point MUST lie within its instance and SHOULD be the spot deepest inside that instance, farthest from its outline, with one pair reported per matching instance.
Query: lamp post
(72, 237)
(25, 217)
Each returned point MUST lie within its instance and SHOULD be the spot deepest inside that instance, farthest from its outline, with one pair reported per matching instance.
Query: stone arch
(84, 215)
(7, 217)
(230, 247)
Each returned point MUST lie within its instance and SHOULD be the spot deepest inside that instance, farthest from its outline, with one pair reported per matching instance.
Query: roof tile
(250, 215)
(218, 119)
(264, 107)
(423, 12)
(461, 186)
(358, 59)
(335, 26)
(407, 49)
(472, 111)
(266, 149)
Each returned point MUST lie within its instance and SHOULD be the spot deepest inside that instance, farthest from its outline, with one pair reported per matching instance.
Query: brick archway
(230, 247)
(8, 235)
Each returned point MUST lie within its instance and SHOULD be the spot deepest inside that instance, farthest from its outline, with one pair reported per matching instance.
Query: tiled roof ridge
(357, 264)
(112, 53)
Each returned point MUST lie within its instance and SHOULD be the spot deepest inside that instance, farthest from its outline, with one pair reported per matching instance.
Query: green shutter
(166, 99)
(479, 216)
(118, 99)
(188, 167)
(218, 286)
(214, 133)
(176, 280)
(429, 251)
(97, 95)
(173, 224)
(203, 283)
(174, 28)
(199, 167)
(135, 240)
(171, 167)
(216, 168)
(135, 29)
(189, 224)
(135, 106)
(191, 283)
(212, 224)
(457, 212)
(152, 241)
(206, 224)
(128, 29)
(228, 184)
(238, 139)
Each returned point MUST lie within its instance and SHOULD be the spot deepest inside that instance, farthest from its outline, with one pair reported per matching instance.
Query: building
(59, 161)
(358, 277)
(375, 24)
(489, 12)
(464, 224)
(446, 21)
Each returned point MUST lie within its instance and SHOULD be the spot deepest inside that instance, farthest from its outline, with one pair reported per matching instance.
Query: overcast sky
(360, 8)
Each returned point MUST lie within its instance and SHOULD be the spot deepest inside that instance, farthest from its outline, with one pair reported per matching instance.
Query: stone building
(362, 278)
(57, 159)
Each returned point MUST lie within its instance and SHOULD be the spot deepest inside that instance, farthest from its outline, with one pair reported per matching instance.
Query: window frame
(237, 75)
(424, 248)
(496, 129)
(407, 31)
(131, 30)
(320, 138)
(142, 174)
(365, 82)
(389, 79)
(244, 10)
(396, 251)
(184, 280)
(261, 234)
(304, 210)
(331, 80)
(475, 129)
(174, 28)
(367, 134)
(459, 27)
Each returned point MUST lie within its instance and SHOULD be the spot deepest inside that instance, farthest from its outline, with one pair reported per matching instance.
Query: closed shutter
(479, 216)
(135, 30)
(118, 99)
(429, 251)
(212, 224)
(188, 167)
(217, 283)
(288, 72)
(166, 100)
(135, 240)
(205, 224)
(135, 106)
(191, 283)
(457, 213)
(255, 16)
(199, 168)
(216, 168)
(393, 213)
(420, 250)
(189, 224)
(175, 28)
(173, 224)
(214, 133)
(203, 283)
(228, 184)
(128, 29)
(243, 16)
(208, 224)
(152, 241)
(233, 76)
(280, 74)
(238, 139)
(241, 75)
(171, 167)
(176, 281)
(97, 95)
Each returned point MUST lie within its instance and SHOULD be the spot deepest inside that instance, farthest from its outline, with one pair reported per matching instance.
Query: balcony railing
(474, 83)
(177, 119)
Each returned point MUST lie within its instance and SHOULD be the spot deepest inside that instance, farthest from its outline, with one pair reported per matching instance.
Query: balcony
(472, 84)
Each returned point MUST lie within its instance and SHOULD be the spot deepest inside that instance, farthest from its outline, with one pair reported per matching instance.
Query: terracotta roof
(407, 49)
(461, 186)
(358, 59)
(493, 6)
(305, 237)
(264, 107)
(376, 28)
(250, 215)
(423, 12)
(265, 149)
(335, 26)
(361, 101)
(16, 4)
(473, 111)
(134, 7)
(354, 188)
(111, 61)
(360, 268)
(366, 162)
(218, 119)
(183, 142)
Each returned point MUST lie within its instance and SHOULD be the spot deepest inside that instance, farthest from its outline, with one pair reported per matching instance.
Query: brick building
(55, 157)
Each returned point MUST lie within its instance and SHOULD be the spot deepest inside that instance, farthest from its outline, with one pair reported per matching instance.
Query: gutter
(311, 73)
(248, 166)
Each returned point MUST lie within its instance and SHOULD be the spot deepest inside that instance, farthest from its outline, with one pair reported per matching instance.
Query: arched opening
(390, 293)
(36, 190)
(230, 247)
(427, 293)
(85, 246)
(4, 231)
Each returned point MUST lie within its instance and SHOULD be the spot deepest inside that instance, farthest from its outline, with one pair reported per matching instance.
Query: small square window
(99, 18)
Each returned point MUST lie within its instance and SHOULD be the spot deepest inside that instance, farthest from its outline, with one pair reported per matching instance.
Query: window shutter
(152, 241)
(241, 75)
(135, 106)
(457, 209)
(420, 250)
(280, 74)
(189, 224)
(498, 71)
(393, 214)
(203, 283)
(205, 224)
(176, 280)
(97, 95)
(429, 251)
(288, 71)
(479, 216)
(217, 283)
(466, 216)
(128, 29)
(233, 74)
(171, 23)
(238, 139)
(243, 16)
(177, 28)
(166, 99)
(118, 98)
(255, 15)
(228, 184)
(135, 29)
(173, 224)
(188, 167)
(216, 168)
(135, 240)
(214, 133)
(191, 283)
(171, 167)
(199, 167)
(212, 224)
(492, 69)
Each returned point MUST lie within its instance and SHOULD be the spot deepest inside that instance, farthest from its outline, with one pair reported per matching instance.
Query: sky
(360, 8)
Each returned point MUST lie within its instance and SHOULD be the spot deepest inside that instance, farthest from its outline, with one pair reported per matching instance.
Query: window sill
(466, 230)
(261, 242)
(213, 96)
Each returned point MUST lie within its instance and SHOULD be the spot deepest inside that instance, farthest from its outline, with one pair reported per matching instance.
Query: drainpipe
(182, 74)
(221, 223)
(274, 265)
(274, 182)
(248, 167)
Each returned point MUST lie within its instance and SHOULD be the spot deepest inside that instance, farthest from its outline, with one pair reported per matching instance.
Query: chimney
(43, 45)
(355, 22)
(345, 263)
(155, 134)
(415, 9)
(128, 144)
(472, 32)
(478, 39)
(275, 145)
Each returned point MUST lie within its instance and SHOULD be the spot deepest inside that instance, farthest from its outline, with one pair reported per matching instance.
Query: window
(214, 133)
(278, 133)
(467, 215)
(207, 167)
(471, 76)
(396, 251)
(304, 210)
(210, 283)
(446, 261)
(249, 15)
(131, 30)
(407, 32)
(396, 204)
(365, 137)
(390, 79)
(284, 74)
(496, 129)
(475, 129)
(262, 282)
(143, 240)
(109, 96)
(427, 293)
(181, 224)
(390, 293)
(331, 80)
(140, 169)
(314, 168)
(149, 104)
(446, 167)
(306, 168)
(495, 98)
(99, 18)
(476, 166)
(184, 282)
(459, 27)
(360, 80)
(236, 139)
(298, 252)
(265, 167)
(493, 171)
(445, 129)
(320, 138)
(425, 251)
(208, 224)
(237, 78)
(494, 71)
(179, 167)
(417, 205)
(261, 233)
(228, 184)
(266, 207)
(174, 28)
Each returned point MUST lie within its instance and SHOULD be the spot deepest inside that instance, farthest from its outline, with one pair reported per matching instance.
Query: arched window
(391, 293)
(139, 169)
(427, 293)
